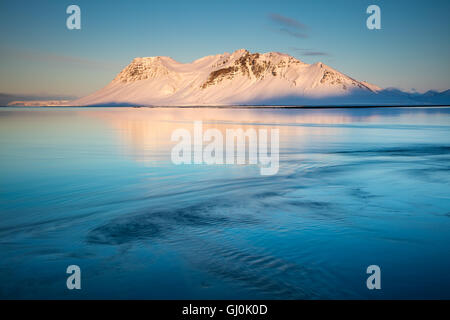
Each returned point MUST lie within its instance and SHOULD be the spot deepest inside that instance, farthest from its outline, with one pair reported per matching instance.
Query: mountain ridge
(239, 78)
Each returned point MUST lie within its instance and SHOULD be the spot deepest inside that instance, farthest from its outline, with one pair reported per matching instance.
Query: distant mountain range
(33, 100)
(39, 103)
(244, 78)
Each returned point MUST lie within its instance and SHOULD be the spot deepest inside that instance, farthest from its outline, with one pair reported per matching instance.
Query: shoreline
(241, 107)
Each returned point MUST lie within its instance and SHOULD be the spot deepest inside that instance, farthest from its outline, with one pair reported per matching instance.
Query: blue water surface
(96, 187)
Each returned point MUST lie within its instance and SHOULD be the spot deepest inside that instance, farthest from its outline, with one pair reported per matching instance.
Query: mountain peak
(142, 69)
(238, 78)
(240, 52)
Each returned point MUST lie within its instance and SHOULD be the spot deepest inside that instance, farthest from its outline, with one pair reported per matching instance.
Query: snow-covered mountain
(240, 78)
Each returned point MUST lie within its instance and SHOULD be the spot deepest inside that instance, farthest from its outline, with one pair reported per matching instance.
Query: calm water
(96, 188)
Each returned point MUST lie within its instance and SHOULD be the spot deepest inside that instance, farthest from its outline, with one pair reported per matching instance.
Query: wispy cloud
(309, 52)
(49, 57)
(288, 22)
(289, 26)
(293, 33)
(296, 29)
(314, 53)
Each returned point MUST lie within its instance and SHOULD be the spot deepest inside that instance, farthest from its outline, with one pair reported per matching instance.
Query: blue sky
(40, 56)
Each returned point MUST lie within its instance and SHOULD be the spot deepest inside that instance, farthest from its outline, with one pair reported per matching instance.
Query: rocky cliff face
(253, 66)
